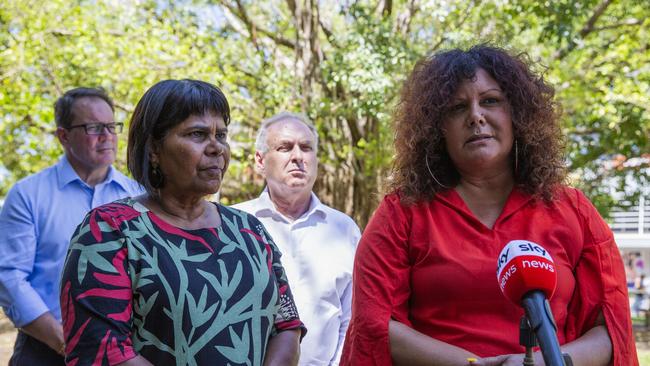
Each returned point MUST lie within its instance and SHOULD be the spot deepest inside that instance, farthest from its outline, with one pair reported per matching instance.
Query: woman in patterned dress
(170, 278)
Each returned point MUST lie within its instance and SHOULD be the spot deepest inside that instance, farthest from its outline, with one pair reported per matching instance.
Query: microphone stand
(527, 339)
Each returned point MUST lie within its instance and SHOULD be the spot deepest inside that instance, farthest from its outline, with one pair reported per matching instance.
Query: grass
(644, 357)
(642, 339)
(638, 320)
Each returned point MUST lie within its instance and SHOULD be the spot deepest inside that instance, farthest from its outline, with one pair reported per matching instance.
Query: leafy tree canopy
(341, 63)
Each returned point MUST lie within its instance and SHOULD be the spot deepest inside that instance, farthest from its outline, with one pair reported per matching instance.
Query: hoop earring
(516, 157)
(156, 177)
(426, 160)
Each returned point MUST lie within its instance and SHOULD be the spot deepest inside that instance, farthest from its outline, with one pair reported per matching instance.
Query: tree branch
(61, 33)
(387, 9)
(48, 71)
(627, 23)
(407, 17)
(589, 27)
(292, 6)
(328, 34)
(126, 108)
(458, 24)
(240, 12)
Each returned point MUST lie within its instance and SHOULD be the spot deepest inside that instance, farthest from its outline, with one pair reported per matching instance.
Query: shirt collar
(516, 200)
(265, 205)
(66, 174)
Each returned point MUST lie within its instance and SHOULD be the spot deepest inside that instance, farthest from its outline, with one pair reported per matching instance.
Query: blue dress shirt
(37, 221)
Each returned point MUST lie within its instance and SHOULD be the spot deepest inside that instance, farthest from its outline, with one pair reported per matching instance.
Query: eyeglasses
(98, 128)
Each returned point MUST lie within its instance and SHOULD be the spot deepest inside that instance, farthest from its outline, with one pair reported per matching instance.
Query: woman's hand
(508, 360)
(412, 348)
(491, 361)
(593, 348)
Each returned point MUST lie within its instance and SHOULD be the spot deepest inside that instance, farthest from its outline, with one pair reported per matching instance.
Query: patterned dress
(134, 284)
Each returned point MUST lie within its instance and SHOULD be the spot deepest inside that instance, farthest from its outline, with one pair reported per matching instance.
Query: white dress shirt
(317, 255)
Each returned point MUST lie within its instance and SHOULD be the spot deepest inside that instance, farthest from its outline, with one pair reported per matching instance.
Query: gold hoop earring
(426, 160)
(516, 157)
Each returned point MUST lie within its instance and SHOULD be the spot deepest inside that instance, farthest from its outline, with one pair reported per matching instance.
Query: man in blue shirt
(42, 211)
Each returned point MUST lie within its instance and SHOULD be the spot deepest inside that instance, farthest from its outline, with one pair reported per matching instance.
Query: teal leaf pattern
(240, 343)
(199, 297)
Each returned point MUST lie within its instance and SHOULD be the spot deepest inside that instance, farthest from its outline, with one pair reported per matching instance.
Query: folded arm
(47, 330)
(412, 348)
(22, 303)
(593, 348)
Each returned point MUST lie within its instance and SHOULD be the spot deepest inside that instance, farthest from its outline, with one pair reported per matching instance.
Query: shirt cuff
(27, 306)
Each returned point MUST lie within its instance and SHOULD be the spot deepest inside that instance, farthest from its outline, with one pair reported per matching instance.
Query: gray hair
(261, 143)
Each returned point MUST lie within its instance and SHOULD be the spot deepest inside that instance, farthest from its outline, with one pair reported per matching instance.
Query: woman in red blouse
(479, 162)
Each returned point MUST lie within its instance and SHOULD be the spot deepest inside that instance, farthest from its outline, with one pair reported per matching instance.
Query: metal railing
(635, 220)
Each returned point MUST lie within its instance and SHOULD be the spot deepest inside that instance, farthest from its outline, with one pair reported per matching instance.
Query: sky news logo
(517, 248)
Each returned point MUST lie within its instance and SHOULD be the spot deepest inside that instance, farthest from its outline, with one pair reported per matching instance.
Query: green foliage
(341, 63)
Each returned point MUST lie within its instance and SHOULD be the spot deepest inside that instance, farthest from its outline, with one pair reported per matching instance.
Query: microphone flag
(525, 266)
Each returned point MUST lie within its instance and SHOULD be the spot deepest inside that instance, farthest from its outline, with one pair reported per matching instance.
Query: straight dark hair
(161, 108)
(63, 106)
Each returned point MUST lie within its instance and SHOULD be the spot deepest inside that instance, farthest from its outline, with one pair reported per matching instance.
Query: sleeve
(601, 286)
(381, 287)
(346, 299)
(18, 242)
(287, 317)
(346, 311)
(96, 295)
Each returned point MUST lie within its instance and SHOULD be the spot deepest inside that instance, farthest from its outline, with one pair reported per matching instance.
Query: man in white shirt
(317, 242)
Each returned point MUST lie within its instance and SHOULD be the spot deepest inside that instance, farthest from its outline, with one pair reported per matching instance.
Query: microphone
(527, 277)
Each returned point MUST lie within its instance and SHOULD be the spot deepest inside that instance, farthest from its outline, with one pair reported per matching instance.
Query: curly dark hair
(424, 102)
